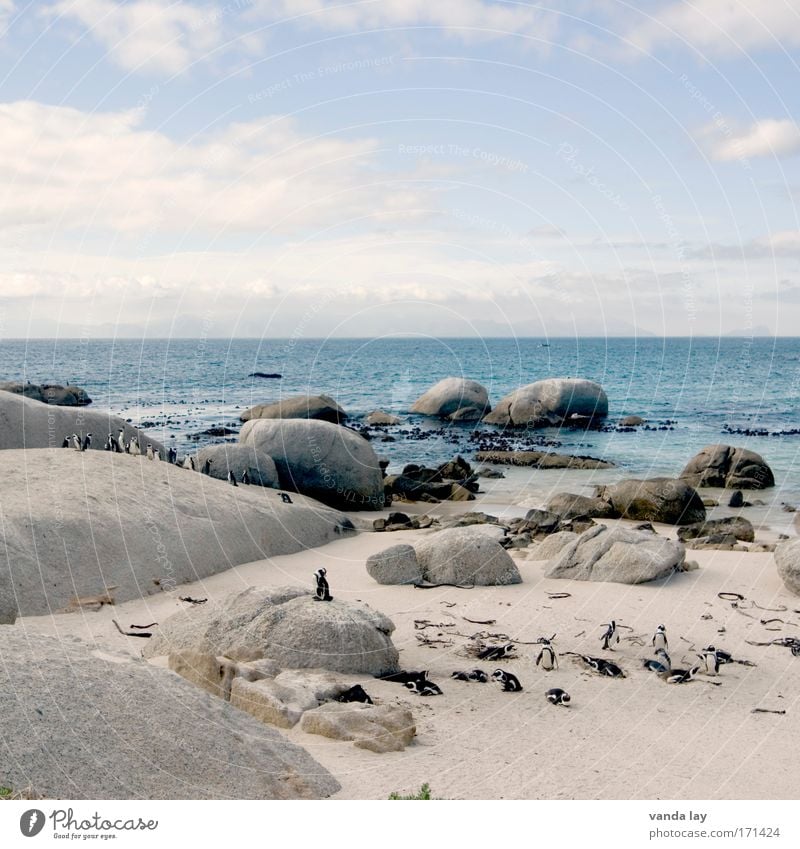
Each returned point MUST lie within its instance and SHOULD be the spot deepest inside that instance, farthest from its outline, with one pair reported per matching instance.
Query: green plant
(6, 792)
(424, 794)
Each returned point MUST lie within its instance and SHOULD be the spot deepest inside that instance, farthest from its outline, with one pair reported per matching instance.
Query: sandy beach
(637, 738)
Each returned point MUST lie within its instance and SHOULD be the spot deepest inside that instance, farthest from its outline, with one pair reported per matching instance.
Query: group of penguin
(711, 659)
(117, 444)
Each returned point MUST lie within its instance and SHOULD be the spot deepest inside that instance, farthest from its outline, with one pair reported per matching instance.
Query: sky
(290, 168)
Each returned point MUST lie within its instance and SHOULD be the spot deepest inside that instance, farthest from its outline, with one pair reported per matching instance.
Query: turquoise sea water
(183, 386)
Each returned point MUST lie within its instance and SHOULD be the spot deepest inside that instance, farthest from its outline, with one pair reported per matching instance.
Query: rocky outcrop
(452, 481)
(395, 565)
(272, 702)
(787, 558)
(542, 460)
(320, 407)
(728, 467)
(323, 460)
(81, 724)
(378, 728)
(287, 625)
(465, 556)
(632, 421)
(454, 398)
(737, 526)
(550, 402)
(27, 423)
(378, 417)
(77, 523)
(49, 393)
(621, 555)
(569, 506)
(668, 500)
(237, 458)
(551, 546)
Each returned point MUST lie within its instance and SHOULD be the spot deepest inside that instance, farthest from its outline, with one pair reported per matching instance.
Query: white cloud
(7, 9)
(155, 35)
(763, 138)
(721, 27)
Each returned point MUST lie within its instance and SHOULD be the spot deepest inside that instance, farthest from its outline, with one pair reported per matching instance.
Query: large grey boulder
(739, 527)
(465, 556)
(566, 505)
(77, 723)
(287, 625)
(787, 558)
(323, 460)
(26, 423)
(728, 467)
(76, 523)
(321, 407)
(454, 398)
(378, 417)
(621, 555)
(49, 393)
(378, 728)
(237, 458)
(395, 565)
(550, 402)
(668, 500)
(552, 545)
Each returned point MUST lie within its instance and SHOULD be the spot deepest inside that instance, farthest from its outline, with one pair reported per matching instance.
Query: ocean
(691, 391)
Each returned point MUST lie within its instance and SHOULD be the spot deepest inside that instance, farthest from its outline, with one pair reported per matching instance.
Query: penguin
(662, 663)
(710, 661)
(680, 676)
(610, 636)
(600, 665)
(404, 677)
(157, 454)
(285, 498)
(723, 657)
(65, 443)
(424, 688)
(172, 455)
(496, 652)
(659, 640)
(510, 682)
(76, 442)
(547, 656)
(477, 675)
(133, 447)
(120, 441)
(188, 462)
(150, 454)
(232, 478)
(109, 446)
(245, 478)
(87, 442)
(557, 696)
(323, 590)
(207, 467)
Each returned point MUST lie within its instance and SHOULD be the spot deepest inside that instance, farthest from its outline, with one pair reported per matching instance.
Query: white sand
(620, 739)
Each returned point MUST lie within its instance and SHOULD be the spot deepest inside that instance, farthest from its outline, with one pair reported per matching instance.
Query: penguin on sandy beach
(662, 662)
(496, 652)
(710, 660)
(659, 640)
(424, 688)
(477, 675)
(600, 665)
(610, 636)
(509, 682)
(680, 676)
(547, 656)
(557, 696)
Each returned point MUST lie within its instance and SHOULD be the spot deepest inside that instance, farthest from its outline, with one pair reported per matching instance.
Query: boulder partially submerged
(323, 460)
(550, 402)
(454, 398)
(728, 467)
(79, 725)
(320, 407)
(542, 460)
(621, 555)
(49, 393)
(78, 523)
(287, 625)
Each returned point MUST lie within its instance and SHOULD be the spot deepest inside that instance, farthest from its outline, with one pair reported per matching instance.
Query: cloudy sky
(459, 167)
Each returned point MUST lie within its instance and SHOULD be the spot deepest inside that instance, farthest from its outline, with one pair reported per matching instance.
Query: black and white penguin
(157, 454)
(710, 661)
(285, 498)
(424, 688)
(245, 478)
(659, 640)
(109, 446)
(65, 443)
(600, 665)
(557, 696)
(509, 682)
(496, 652)
(323, 592)
(188, 462)
(547, 656)
(662, 663)
(232, 478)
(150, 452)
(723, 657)
(680, 676)
(172, 455)
(87, 442)
(76, 442)
(207, 467)
(403, 677)
(133, 447)
(477, 675)
(120, 441)
(610, 636)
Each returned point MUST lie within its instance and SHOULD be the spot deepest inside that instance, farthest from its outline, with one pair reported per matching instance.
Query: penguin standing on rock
(109, 443)
(245, 478)
(285, 498)
(87, 442)
(232, 478)
(323, 592)
(188, 462)
(610, 636)
(65, 443)
(509, 682)
(119, 442)
(207, 467)
(133, 447)
(659, 640)
(172, 455)
(547, 656)
(76, 442)
(150, 454)
(557, 696)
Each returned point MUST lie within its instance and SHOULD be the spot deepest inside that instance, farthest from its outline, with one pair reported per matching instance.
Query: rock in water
(75, 523)
(728, 467)
(621, 555)
(550, 402)
(49, 393)
(395, 565)
(238, 458)
(323, 460)
(378, 417)
(78, 726)
(787, 557)
(454, 398)
(321, 407)
(287, 625)
(465, 556)
(668, 500)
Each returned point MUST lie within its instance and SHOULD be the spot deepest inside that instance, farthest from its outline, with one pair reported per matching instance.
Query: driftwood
(144, 634)
(92, 602)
